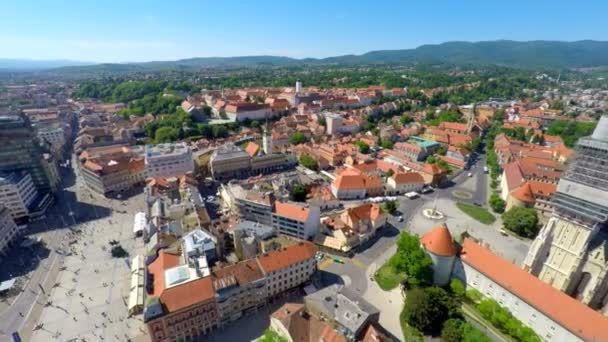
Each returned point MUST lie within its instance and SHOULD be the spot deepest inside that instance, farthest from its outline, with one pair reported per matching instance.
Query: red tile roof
(244, 272)
(439, 241)
(457, 126)
(280, 259)
(292, 211)
(157, 268)
(453, 161)
(187, 294)
(567, 311)
(524, 193)
(513, 174)
(252, 149)
(407, 178)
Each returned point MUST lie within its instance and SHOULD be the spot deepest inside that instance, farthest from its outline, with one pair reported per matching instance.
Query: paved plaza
(90, 294)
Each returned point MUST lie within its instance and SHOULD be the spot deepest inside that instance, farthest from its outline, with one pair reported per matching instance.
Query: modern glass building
(20, 149)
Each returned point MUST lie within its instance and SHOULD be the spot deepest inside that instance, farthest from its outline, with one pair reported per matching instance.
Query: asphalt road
(352, 272)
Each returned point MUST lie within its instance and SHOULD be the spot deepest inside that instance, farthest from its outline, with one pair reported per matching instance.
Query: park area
(388, 277)
(478, 213)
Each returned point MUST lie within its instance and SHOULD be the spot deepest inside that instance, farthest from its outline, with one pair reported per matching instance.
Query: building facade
(554, 316)
(569, 252)
(8, 231)
(240, 288)
(288, 267)
(21, 149)
(166, 160)
(112, 169)
(296, 220)
(17, 194)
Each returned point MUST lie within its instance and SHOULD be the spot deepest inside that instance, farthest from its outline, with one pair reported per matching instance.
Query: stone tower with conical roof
(440, 246)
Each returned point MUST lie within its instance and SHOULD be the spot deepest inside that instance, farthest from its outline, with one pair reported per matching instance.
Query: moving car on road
(411, 194)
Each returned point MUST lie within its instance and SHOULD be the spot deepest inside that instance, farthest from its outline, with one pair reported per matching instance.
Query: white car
(469, 174)
(400, 218)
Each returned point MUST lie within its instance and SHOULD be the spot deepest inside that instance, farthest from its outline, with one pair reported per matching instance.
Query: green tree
(387, 144)
(297, 138)
(271, 336)
(472, 334)
(426, 309)
(570, 131)
(405, 119)
(390, 207)
(363, 147)
(298, 193)
(308, 162)
(412, 260)
(452, 330)
(497, 203)
(522, 221)
(166, 134)
(389, 173)
(219, 131)
(457, 288)
(321, 120)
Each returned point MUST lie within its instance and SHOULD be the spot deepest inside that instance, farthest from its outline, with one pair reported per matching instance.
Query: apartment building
(296, 220)
(248, 204)
(245, 110)
(53, 133)
(21, 149)
(404, 182)
(181, 303)
(111, 169)
(229, 161)
(288, 267)
(8, 230)
(240, 288)
(18, 194)
(166, 160)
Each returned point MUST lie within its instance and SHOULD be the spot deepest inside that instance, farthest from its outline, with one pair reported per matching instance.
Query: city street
(357, 272)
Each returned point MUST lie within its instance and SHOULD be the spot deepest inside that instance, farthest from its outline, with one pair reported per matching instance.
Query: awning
(7, 284)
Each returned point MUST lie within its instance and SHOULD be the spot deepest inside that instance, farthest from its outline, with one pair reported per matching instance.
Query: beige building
(288, 267)
(402, 183)
(166, 160)
(229, 161)
(111, 169)
(239, 288)
(553, 315)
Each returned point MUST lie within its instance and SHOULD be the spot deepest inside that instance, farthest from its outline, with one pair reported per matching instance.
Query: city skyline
(142, 31)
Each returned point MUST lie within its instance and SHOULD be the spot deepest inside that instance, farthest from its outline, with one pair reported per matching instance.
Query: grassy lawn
(478, 213)
(387, 277)
(410, 334)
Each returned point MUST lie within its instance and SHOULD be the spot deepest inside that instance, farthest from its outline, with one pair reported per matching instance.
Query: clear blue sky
(138, 30)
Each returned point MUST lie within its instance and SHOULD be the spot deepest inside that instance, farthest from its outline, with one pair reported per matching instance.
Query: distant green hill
(531, 54)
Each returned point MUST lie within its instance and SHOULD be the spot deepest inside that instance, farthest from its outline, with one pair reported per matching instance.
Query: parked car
(469, 174)
(400, 218)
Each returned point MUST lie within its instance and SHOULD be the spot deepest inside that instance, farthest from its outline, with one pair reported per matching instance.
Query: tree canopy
(297, 138)
(298, 193)
(570, 131)
(522, 221)
(363, 147)
(412, 260)
(497, 203)
(426, 309)
(308, 162)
